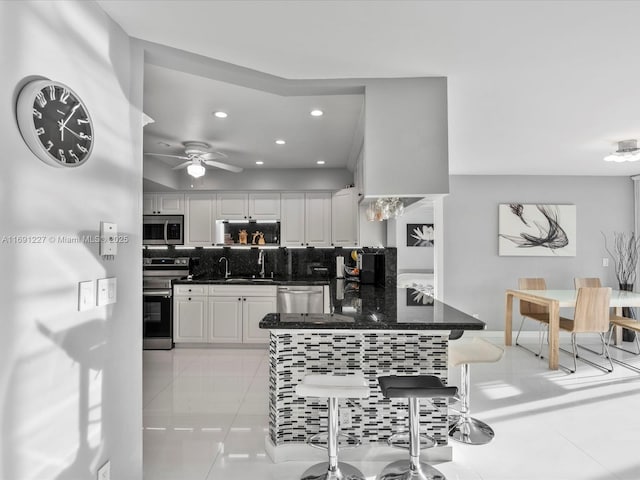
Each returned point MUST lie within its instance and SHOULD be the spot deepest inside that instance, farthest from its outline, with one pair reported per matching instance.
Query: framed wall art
(536, 230)
(419, 234)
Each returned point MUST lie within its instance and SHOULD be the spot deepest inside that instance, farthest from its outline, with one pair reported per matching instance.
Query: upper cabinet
(163, 204)
(306, 219)
(344, 218)
(248, 206)
(200, 219)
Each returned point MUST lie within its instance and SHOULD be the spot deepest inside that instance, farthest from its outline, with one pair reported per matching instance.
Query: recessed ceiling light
(320, 162)
(259, 162)
(220, 114)
(280, 141)
(317, 112)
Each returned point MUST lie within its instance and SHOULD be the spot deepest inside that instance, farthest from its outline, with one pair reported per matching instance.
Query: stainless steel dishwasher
(301, 299)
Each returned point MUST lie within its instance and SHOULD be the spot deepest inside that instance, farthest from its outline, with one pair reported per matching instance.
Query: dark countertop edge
(373, 327)
(222, 281)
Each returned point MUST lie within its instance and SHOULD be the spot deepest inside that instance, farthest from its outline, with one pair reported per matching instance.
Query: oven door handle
(157, 293)
(166, 226)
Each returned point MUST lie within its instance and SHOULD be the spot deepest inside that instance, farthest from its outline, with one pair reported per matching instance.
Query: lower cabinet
(225, 319)
(227, 314)
(189, 318)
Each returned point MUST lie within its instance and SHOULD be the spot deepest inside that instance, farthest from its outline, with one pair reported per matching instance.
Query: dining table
(554, 300)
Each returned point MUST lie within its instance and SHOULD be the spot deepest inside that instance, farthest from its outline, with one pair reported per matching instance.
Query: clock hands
(81, 136)
(63, 125)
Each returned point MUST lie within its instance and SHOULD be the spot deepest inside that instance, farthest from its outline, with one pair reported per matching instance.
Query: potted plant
(626, 247)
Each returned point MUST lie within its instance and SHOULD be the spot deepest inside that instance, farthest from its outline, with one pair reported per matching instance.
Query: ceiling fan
(197, 156)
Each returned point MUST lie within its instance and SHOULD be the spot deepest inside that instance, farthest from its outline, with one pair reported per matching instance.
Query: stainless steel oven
(157, 304)
(163, 229)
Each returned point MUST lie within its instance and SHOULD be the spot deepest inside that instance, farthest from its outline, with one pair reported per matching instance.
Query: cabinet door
(264, 206)
(189, 319)
(253, 310)
(344, 218)
(149, 204)
(292, 219)
(317, 230)
(200, 223)
(225, 319)
(170, 203)
(232, 206)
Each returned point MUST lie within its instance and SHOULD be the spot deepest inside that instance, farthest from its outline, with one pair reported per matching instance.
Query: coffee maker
(372, 269)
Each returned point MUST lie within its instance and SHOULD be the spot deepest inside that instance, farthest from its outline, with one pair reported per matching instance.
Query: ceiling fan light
(195, 170)
(627, 151)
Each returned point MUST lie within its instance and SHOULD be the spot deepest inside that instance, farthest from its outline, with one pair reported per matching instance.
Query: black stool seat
(415, 386)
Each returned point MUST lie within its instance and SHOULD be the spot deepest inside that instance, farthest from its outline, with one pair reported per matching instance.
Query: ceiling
(534, 87)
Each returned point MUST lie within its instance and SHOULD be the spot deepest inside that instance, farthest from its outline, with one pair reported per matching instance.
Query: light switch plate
(86, 296)
(106, 291)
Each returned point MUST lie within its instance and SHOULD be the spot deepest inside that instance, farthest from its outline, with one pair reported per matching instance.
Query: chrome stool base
(401, 470)
(321, 471)
(470, 431)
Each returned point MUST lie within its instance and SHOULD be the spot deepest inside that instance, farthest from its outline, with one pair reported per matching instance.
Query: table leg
(554, 334)
(508, 318)
(617, 331)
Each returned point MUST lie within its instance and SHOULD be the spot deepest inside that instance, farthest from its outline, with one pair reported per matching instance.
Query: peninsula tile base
(296, 353)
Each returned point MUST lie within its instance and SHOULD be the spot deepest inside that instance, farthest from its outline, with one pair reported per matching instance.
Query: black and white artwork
(537, 230)
(419, 234)
(419, 298)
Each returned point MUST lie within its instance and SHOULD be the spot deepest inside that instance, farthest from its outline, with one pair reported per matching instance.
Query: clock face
(54, 123)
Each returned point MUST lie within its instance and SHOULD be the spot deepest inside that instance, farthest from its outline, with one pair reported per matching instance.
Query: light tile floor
(205, 418)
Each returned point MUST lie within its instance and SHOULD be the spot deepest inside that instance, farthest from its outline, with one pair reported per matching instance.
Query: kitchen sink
(249, 280)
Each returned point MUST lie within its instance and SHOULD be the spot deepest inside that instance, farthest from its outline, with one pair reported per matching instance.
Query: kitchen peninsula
(376, 331)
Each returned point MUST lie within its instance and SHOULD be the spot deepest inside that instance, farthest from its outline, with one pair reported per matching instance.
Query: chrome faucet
(261, 261)
(227, 272)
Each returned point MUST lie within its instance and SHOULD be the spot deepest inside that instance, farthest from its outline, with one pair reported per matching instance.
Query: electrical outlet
(104, 472)
(605, 262)
(345, 418)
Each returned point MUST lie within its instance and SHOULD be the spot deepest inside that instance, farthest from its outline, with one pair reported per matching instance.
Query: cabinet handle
(189, 298)
(189, 289)
(302, 244)
(244, 299)
(239, 299)
(245, 216)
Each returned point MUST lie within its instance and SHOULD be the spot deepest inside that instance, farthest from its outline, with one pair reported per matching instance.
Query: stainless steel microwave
(163, 230)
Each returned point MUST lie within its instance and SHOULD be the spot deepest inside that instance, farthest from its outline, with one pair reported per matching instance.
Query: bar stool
(334, 387)
(413, 388)
(464, 428)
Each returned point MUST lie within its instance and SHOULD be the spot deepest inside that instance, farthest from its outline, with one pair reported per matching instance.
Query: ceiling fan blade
(182, 165)
(212, 155)
(223, 166)
(181, 157)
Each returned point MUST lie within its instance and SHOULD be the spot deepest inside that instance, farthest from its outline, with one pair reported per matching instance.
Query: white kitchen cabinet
(189, 318)
(306, 219)
(222, 313)
(200, 219)
(225, 319)
(253, 310)
(264, 206)
(317, 226)
(344, 218)
(248, 206)
(163, 204)
(233, 206)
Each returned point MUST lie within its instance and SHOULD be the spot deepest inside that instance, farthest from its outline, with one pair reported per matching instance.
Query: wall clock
(54, 123)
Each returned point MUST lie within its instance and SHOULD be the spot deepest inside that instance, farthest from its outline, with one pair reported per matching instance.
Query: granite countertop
(369, 307)
(245, 280)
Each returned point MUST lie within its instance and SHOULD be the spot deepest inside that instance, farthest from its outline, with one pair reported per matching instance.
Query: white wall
(70, 382)
(475, 277)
